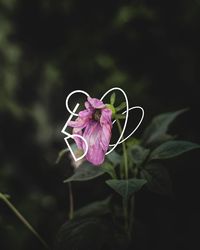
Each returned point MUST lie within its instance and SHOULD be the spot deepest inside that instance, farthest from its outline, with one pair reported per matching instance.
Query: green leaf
(159, 126)
(158, 179)
(138, 154)
(131, 142)
(109, 168)
(97, 208)
(121, 107)
(126, 187)
(86, 172)
(120, 117)
(171, 149)
(86, 233)
(112, 98)
(114, 158)
(61, 154)
(65, 151)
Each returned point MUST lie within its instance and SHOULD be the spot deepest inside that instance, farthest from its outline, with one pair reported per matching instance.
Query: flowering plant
(138, 166)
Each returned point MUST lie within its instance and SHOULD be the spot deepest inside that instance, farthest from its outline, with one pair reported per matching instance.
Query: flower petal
(92, 134)
(105, 137)
(78, 123)
(88, 106)
(82, 119)
(106, 117)
(96, 103)
(85, 113)
(106, 124)
(95, 155)
(98, 139)
(79, 142)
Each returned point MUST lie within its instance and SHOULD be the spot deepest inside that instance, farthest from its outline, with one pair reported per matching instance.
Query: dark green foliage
(158, 179)
(126, 188)
(97, 208)
(157, 130)
(87, 171)
(86, 233)
(171, 149)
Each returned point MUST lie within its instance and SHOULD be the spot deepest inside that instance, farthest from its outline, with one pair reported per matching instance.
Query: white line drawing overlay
(73, 113)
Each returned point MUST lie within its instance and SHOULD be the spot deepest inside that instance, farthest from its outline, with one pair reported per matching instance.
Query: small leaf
(171, 149)
(94, 209)
(159, 126)
(158, 179)
(112, 98)
(120, 116)
(61, 154)
(86, 172)
(121, 106)
(126, 187)
(64, 151)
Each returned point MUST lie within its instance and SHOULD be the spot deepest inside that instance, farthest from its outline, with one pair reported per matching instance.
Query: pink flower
(95, 125)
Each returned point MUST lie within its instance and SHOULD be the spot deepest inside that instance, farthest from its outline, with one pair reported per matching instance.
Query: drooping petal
(106, 117)
(105, 137)
(82, 120)
(79, 142)
(92, 134)
(88, 106)
(78, 123)
(85, 114)
(106, 125)
(96, 103)
(95, 155)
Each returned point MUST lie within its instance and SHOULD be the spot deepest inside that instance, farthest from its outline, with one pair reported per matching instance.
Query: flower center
(96, 115)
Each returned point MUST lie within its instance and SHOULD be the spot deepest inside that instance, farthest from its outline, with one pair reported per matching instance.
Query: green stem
(113, 175)
(71, 202)
(124, 152)
(125, 201)
(132, 215)
(125, 208)
(22, 219)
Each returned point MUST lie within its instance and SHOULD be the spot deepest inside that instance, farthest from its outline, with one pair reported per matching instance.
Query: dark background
(149, 48)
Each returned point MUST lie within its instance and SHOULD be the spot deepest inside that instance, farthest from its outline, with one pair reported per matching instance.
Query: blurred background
(48, 48)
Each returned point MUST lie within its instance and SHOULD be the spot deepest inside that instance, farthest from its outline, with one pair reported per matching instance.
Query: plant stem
(71, 202)
(125, 208)
(124, 151)
(132, 215)
(113, 175)
(22, 219)
(125, 201)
